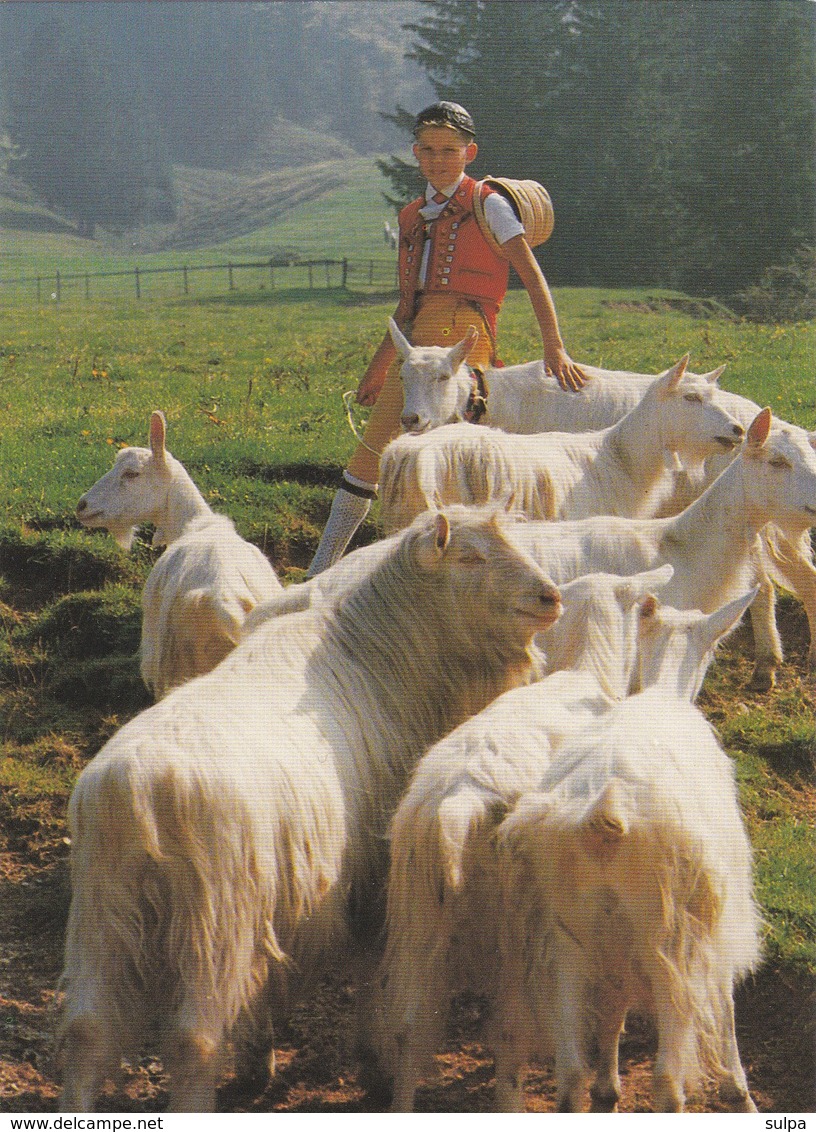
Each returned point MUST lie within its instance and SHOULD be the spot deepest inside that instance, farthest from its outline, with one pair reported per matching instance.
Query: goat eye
(471, 558)
(443, 377)
(779, 462)
(130, 475)
(694, 398)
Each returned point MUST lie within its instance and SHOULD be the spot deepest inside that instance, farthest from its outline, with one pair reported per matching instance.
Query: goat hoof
(737, 1099)
(763, 680)
(377, 1084)
(603, 1101)
(254, 1070)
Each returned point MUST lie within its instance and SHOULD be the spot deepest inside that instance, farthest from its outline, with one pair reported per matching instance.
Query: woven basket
(531, 204)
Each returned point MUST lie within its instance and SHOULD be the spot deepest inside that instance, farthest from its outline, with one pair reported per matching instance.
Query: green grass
(251, 384)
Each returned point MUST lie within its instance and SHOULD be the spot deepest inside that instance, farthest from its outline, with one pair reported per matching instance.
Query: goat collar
(476, 406)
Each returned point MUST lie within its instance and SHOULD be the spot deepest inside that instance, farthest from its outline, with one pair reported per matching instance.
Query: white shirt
(499, 214)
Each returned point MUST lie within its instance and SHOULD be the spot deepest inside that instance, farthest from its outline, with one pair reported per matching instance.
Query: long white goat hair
(219, 837)
(202, 587)
(629, 885)
(445, 900)
(621, 470)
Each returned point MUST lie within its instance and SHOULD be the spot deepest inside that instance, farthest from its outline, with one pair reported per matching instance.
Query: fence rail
(266, 274)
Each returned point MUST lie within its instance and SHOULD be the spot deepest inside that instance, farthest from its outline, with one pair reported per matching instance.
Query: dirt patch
(315, 1069)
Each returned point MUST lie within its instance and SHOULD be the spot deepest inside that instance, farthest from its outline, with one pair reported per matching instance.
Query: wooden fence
(252, 275)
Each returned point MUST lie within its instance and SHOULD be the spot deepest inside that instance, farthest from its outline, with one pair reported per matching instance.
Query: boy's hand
(373, 379)
(561, 365)
(369, 388)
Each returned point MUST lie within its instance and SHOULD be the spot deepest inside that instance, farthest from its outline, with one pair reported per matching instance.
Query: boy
(450, 278)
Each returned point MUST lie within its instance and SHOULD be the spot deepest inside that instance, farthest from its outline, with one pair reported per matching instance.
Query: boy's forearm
(520, 254)
(558, 361)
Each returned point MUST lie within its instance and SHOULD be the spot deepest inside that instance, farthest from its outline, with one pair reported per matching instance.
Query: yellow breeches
(441, 320)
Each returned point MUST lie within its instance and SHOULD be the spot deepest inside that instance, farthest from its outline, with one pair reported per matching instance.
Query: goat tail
(605, 825)
(203, 615)
(197, 632)
(428, 846)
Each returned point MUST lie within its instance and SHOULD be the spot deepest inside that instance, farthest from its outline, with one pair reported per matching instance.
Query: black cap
(445, 114)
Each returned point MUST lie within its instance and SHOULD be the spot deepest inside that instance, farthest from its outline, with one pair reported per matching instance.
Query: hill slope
(217, 206)
(290, 167)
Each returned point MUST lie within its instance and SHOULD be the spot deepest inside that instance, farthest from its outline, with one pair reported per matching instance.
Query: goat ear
(401, 343)
(651, 579)
(460, 351)
(724, 619)
(714, 376)
(158, 431)
(675, 375)
(648, 607)
(760, 427)
(442, 532)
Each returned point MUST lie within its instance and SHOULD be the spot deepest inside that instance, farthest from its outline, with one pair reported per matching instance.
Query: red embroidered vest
(461, 261)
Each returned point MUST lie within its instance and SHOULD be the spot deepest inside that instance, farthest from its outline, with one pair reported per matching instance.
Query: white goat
(206, 581)
(438, 389)
(676, 646)
(784, 551)
(712, 544)
(627, 882)
(444, 903)
(621, 470)
(222, 839)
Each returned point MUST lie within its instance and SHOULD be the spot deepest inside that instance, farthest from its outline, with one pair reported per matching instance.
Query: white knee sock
(347, 512)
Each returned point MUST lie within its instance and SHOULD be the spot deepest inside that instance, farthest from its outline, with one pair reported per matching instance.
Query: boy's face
(442, 154)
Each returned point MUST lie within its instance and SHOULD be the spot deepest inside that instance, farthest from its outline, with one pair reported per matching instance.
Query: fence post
(59, 287)
(138, 283)
(345, 272)
(311, 284)
(229, 274)
(186, 283)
